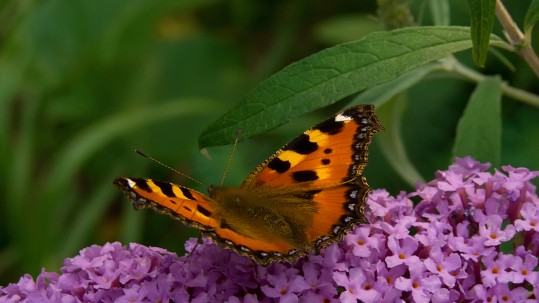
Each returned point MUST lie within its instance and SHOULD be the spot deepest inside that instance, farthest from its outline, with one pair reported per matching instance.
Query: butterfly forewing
(189, 206)
(333, 151)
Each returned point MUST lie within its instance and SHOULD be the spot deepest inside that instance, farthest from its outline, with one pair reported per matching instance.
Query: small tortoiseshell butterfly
(300, 200)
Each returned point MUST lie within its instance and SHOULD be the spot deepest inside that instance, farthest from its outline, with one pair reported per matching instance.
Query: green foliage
(439, 10)
(479, 131)
(532, 15)
(333, 74)
(83, 83)
(482, 22)
(391, 141)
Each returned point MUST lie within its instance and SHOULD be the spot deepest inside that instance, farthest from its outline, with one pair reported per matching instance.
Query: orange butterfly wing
(329, 157)
(193, 209)
(187, 205)
(323, 167)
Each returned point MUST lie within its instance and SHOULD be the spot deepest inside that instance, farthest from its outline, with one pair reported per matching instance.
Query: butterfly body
(303, 198)
(265, 214)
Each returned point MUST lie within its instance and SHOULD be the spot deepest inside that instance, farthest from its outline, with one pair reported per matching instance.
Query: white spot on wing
(130, 183)
(340, 117)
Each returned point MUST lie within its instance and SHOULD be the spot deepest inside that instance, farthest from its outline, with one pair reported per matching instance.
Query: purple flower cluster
(472, 236)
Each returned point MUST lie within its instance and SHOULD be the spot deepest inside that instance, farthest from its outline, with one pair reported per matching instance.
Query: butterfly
(301, 199)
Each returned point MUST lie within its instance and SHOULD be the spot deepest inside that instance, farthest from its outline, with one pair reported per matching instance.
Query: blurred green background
(83, 83)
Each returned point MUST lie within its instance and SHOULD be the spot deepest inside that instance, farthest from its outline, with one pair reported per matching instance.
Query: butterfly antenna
(169, 167)
(231, 156)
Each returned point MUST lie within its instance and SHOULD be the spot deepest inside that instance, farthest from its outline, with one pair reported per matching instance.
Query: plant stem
(454, 66)
(517, 38)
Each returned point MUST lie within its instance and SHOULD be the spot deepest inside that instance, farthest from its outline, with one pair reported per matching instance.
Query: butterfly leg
(299, 238)
(199, 240)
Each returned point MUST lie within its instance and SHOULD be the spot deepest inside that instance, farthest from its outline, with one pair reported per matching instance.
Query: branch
(517, 38)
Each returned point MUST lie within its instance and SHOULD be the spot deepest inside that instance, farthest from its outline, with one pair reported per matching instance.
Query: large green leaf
(384, 92)
(333, 74)
(479, 131)
(482, 21)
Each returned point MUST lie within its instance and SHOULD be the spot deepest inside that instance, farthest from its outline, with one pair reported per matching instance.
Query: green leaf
(479, 130)
(482, 21)
(532, 16)
(332, 74)
(391, 142)
(384, 92)
(439, 10)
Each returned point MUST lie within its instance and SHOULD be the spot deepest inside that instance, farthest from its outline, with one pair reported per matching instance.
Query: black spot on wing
(328, 151)
(279, 165)
(225, 225)
(121, 182)
(310, 194)
(304, 176)
(326, 161)
(166, 188)
(330, 126)
(203, 211)
(357, 112)
(187, 193)
(302, 145)
(142, 184)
